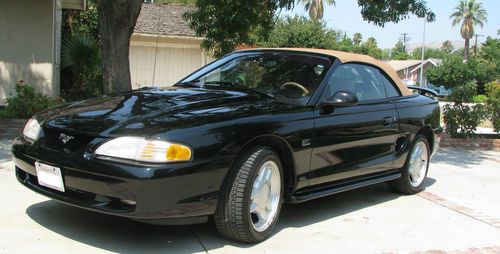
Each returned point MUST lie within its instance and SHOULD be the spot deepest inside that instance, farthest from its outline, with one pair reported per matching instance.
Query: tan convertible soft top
(346, 57)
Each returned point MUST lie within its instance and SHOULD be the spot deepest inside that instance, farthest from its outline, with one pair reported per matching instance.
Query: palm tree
(316, 7)
(447, 46)
(470, 13)
(357, 38)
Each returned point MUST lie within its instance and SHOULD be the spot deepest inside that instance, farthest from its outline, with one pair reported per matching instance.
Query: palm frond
(79, 52)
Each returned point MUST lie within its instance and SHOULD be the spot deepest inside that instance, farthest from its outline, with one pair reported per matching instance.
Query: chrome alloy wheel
(418, 163)
(266, 191)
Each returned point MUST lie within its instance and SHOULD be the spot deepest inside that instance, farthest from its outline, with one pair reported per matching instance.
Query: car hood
(134, 112)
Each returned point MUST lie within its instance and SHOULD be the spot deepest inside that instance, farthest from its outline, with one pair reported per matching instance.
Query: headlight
(140, 149)
(32, 129)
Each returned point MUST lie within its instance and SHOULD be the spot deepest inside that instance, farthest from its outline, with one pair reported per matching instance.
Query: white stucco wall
(28, 35)
(175, 57)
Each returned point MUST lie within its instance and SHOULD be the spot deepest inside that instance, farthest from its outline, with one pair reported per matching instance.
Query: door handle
(388, 121)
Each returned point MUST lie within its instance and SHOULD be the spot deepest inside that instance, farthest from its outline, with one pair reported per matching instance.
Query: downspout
(56, 4)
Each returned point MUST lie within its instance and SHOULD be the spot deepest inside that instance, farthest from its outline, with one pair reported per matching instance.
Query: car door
(357, 140)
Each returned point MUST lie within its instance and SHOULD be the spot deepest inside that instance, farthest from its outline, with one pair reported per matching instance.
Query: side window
(389, 87)
(362, 80)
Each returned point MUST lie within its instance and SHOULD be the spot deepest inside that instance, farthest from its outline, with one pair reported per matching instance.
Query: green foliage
(482, 69)
(484, 72)
(467, 78)
(490, 52)
(447, 47)
(463, 93)
(400, 49)
(80, 55)
(470, 13)
(429, 53)
(493, 103)
(385, 54)
(357, 38)
(85, 21)
(300, 32)
(480, 98)
(80, 52)
(461, 116)
(316, 8)
(26, 102)
(383, 11)
(451, 73)
(401, 56)
(228, 24)
(369, 47)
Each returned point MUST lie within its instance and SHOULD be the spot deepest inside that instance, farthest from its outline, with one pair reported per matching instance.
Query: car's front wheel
(415, 170)
(252, 196)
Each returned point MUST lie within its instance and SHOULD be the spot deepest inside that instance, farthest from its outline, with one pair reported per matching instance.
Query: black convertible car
(234, 140)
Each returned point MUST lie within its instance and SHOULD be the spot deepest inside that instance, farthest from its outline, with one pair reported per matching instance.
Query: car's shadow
(127, 236)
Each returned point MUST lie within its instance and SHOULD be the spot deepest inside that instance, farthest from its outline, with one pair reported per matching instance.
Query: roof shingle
(163, 19)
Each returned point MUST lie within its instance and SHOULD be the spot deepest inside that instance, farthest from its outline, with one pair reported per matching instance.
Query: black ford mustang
(234, 140)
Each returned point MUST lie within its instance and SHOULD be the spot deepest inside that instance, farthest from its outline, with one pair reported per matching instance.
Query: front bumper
(138, 191)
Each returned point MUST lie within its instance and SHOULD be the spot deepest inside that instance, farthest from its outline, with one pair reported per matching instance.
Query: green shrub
(300, 32)
(81, 73)
(26, 103)
(493, 103)
(461, 117)
(480, 98)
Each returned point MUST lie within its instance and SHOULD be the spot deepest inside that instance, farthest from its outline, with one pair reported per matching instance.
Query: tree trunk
(117, 20)
(466, 49)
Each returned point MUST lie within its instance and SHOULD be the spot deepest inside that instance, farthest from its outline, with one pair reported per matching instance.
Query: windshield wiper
(188, 83)
(239, 86)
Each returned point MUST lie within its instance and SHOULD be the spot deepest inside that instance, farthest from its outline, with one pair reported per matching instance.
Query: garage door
(163, 65)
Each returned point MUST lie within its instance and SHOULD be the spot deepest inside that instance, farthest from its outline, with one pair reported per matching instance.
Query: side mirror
(341, 99)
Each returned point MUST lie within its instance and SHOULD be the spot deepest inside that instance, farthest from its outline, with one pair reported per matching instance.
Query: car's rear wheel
(251, 200)
(415, 170)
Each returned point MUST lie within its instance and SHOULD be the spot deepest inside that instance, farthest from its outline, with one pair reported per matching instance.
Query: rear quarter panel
(416, 112)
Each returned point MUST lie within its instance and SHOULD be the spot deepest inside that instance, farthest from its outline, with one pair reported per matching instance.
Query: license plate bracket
(49, 176)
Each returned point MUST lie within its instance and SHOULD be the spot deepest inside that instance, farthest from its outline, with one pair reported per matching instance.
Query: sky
(346, 16)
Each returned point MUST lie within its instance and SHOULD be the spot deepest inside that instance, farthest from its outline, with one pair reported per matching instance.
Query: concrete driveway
(458, 213)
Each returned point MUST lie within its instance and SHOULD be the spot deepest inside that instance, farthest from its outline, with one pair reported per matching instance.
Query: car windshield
(285, 75)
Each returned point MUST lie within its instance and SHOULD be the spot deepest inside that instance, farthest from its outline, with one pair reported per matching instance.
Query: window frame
(338, 63)
(313, 99)
(391, 82)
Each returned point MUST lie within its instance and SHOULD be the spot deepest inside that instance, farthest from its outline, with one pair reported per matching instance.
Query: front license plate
(49, 176)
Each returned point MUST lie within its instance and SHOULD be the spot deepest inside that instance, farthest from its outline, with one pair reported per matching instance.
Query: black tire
(403, 185)
(232, 217)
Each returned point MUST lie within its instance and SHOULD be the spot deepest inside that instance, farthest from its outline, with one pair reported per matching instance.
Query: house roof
(403, 64)
(163, 19)
(346, 57)
(412, 64)
(433, 61)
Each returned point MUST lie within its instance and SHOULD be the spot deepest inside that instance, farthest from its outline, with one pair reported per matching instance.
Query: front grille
(55, 139)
